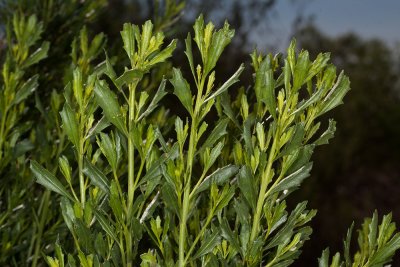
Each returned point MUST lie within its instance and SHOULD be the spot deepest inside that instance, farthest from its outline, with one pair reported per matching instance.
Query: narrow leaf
(327, 135)
(105, 225)
(335, 96)
(26, 90)
(107, 100)
(182, 90)
(270, 99)
(232, 80)
(96, 176)
(216, 134)
(128, 38)
(70, 125)
(246, 184)
(208, 244)
(218, 177)
(293, 180)
(154, 102)
(38, 55)
(129, 76)
(164, 54)
(48, 180)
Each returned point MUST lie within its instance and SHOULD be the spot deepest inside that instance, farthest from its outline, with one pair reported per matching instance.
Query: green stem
(81, 180)
(188, 174)
(2, 133)
(203, 229)
(131, 148)
(128, 239)
(131, 173)
(43, 217)
(261, 196)
(182, 228)
(187, 189)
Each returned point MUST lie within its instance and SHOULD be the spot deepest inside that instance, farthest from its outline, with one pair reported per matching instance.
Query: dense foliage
(127, 181)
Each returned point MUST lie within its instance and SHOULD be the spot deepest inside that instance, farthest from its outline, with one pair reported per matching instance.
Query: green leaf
(147, 33)
(59, 253)
(182, 90)
(336, 94)
(70, 125)
(327, 135)
(386, 252)
(38, 55)
(188, 53)
(216, 134)
(293, 180)
(164, 54)
(109, 69)
(156, 99)
(227, 107)
(347, 245)
(128, 77)
(26, 90)
(324, 260)
(318, 65)
(107, 100)
(296, 219)
(247, 185)
(218, 177)
(210, 241)
(128, 38)
(97, 44)
(301, 70)
(313, 99)
(115, 202)
(100, 245)
(71, 261)
(155, 169)
(170, 198)
(385, 231)
(225, 197)
(219, 41)
(292, 55)
(303, 157)
(199, 35)
(270, 99)
(214, 154)
(227, 234)
(48, 180)
(295, 141)
(105, 225)
(65, 168)
(96, 176)
(287, 76)
(77, 86)
(107, 147)
(68, 213)
(232, 80)
(98, 127)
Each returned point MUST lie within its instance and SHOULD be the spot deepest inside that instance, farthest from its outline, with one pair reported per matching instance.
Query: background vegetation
(354, 175)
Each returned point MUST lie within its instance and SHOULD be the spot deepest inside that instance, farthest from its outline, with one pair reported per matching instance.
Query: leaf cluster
(139, 185)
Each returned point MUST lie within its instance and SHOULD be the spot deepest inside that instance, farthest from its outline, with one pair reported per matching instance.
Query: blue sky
(368, 18)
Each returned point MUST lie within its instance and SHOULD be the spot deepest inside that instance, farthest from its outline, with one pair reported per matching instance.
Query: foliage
(137, 185)
(25, 49)
(377, 245)
(359, 164)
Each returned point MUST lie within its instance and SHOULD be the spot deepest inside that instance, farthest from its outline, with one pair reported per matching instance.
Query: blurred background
(359, 171)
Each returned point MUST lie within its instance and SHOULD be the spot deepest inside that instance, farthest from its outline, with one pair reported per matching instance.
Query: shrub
(138, 185)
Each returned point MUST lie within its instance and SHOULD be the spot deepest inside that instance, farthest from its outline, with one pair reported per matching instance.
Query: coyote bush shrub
(139, 185)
